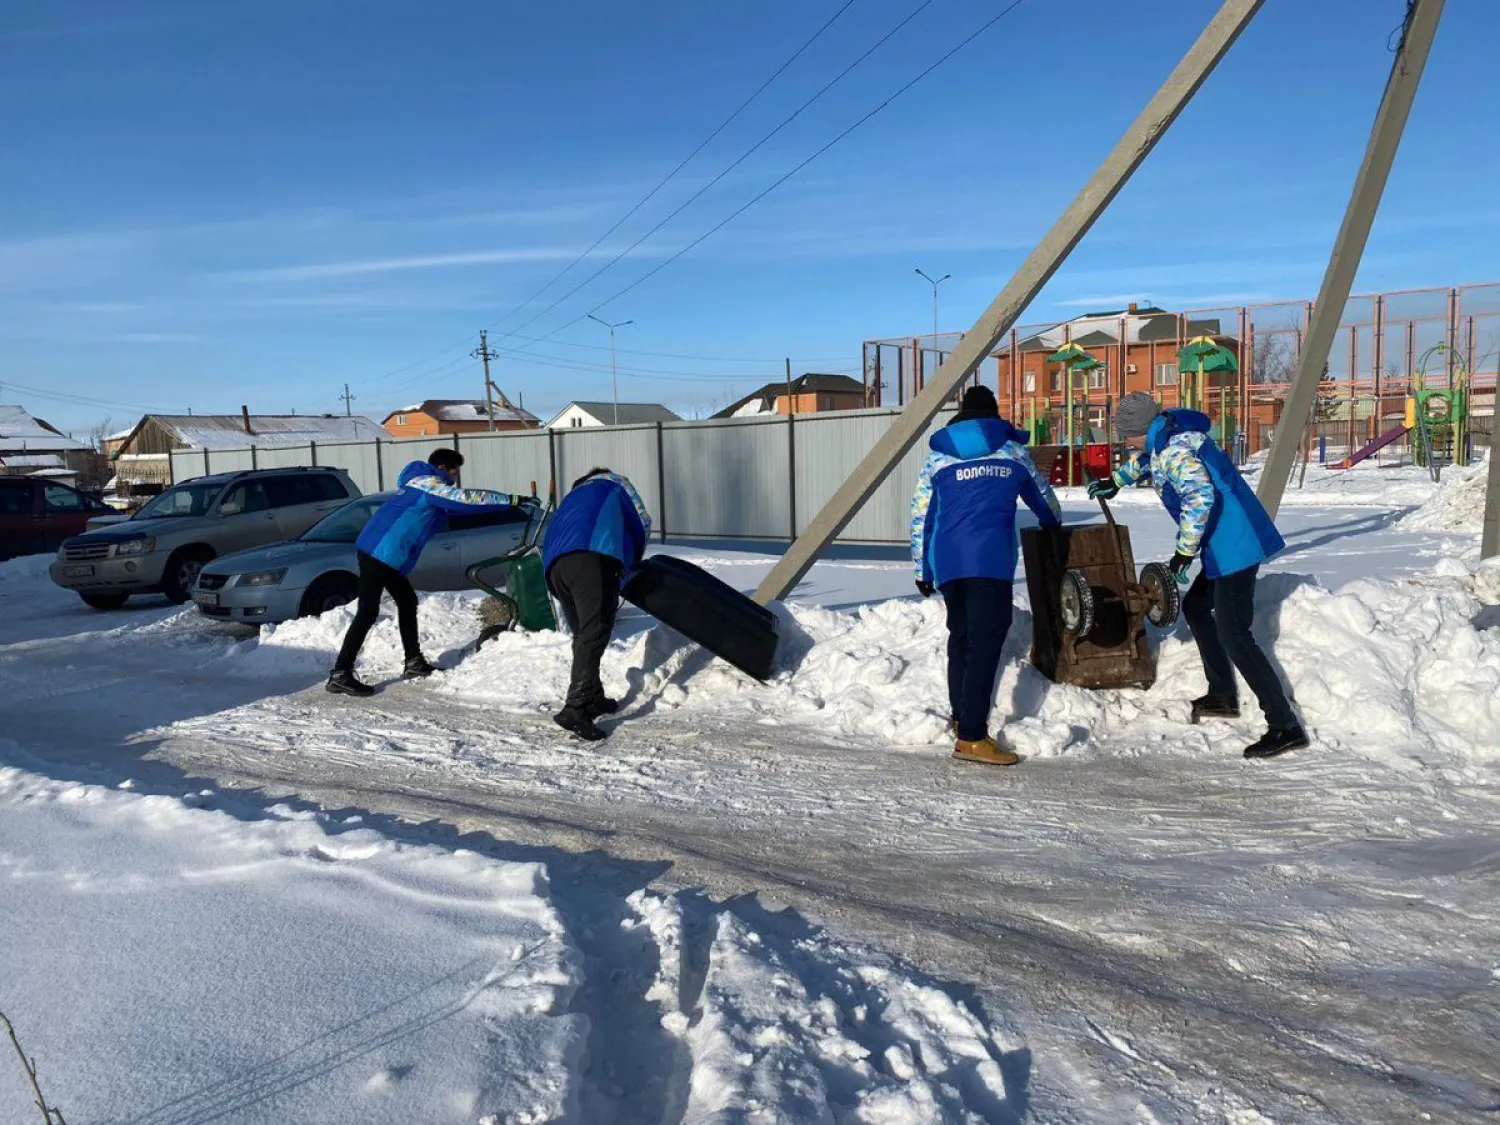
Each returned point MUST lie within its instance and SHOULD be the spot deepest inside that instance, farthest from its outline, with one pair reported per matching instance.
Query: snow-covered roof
(31, 461)
(22, 433)
(53, 473)
(631, 413)
(227, 431)
(468, 410)
(120, 435)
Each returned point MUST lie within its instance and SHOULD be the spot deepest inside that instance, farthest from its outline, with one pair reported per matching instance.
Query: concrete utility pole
(614, 387)
(1349, 246)
(348, 398)
(1043, 262)
(485, 353)
(1489, 542)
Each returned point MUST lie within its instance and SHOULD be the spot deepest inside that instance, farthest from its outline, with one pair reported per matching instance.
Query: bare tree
(101, 430)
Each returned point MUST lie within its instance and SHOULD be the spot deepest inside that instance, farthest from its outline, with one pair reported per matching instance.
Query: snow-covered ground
(233, 897)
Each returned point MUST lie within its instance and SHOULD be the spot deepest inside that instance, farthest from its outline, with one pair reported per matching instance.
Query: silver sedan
(317, 571)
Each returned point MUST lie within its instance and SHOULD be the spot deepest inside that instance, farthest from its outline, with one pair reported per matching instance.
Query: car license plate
(78, 572)
(211, 600)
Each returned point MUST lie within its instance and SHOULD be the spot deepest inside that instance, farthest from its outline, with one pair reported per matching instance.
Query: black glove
(1178, 567)
(1104, 487)
(926, 589)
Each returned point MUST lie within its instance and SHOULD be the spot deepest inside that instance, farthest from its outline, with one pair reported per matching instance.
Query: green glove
(1103, 489)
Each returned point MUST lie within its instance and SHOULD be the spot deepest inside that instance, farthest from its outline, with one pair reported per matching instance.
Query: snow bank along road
(1154, 929)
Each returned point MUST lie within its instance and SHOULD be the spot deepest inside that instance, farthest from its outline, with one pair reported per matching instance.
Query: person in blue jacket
(389, 547)
(594, 543)
(1222, 523)
(963, 543)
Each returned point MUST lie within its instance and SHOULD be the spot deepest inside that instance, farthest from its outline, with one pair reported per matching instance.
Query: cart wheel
(1077, 604)
(1161, 591)
(498, 613)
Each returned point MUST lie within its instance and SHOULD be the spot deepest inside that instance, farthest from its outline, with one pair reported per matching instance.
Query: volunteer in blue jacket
(389, 547)
(1221, 523)
(963, 542)
(594, 543)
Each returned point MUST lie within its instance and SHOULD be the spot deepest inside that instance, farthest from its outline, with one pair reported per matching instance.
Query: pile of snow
(170, 962)
(1401, 670)
(1456, 504)
(26, 569)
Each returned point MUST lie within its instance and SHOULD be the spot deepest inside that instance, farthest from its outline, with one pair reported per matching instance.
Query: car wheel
(104, 601)
(328, 592)
(181, 574)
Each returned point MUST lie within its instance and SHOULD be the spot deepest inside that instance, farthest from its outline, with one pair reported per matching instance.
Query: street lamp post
(614, 388)
(935, 285)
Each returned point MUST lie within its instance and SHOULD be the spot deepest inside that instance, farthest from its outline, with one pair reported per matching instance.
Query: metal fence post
(205, 461)
(791, 471)
(254, 458)
(312, 452)
(552, 489)
(379, 468)
(661, 484)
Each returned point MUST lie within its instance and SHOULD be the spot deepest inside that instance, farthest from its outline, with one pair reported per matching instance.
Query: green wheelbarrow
(524, 601)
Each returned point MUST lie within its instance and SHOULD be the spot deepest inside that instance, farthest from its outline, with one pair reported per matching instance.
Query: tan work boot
(985, 750)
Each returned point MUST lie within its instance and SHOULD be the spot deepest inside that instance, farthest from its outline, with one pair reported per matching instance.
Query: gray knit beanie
(1134, 414)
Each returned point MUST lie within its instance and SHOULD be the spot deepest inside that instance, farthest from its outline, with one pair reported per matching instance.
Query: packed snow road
(1157, 930)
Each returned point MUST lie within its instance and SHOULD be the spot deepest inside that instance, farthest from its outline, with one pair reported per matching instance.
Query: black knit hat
(979, 402)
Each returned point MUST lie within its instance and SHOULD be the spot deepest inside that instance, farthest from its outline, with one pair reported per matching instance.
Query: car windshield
(192, 499)
(344, 525)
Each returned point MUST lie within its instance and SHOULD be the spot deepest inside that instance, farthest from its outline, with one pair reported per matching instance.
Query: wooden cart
(1089, 610)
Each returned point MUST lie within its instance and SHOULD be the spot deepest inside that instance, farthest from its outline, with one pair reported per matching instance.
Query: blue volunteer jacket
(963, 515)
(1218, 516)
(401, 527)
(605, 515)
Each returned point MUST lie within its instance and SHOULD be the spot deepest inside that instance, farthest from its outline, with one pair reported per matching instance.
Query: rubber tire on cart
(1075, 604)
(181, 573)
(1165, 596)
(329, 592)
(104, 601)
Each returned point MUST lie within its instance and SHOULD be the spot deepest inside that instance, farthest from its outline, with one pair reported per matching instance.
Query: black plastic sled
(708, 611)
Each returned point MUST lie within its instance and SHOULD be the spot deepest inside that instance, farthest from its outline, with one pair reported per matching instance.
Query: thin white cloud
(155, 338)
(324, 270)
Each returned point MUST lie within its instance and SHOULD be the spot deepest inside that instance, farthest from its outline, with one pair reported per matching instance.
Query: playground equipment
(1372, 448)
(524, 600)
(1440, 416)
(1088, 608)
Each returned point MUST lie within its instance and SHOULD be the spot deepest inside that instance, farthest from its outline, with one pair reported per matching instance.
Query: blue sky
(211, 204)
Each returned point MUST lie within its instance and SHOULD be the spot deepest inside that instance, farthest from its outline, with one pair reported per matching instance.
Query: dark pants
(1219, 611)
(587, 587)
(979, 613)
(376, 577)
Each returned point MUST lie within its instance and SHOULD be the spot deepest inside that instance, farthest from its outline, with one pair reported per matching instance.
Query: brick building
(438, 416)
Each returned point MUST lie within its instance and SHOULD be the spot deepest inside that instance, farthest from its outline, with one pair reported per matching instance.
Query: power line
(680, 166)
(757, 198)
(925, 4)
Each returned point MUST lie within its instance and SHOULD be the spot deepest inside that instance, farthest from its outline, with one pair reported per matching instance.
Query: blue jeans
(979, 615)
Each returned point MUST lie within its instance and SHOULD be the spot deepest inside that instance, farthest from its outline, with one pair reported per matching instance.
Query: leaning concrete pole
(1349, 246)
(1489, 542)
(1034, 273)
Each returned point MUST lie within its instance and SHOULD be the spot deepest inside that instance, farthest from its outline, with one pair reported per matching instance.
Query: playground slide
(1375, 446)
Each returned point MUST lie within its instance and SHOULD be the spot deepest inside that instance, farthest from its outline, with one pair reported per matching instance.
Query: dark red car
(36, 515)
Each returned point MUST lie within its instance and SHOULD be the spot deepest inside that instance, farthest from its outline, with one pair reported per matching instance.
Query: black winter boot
(603, 705)
(1214, 707)
(417, 668)
(1275, 742)
(346, 683)
(579, 723)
